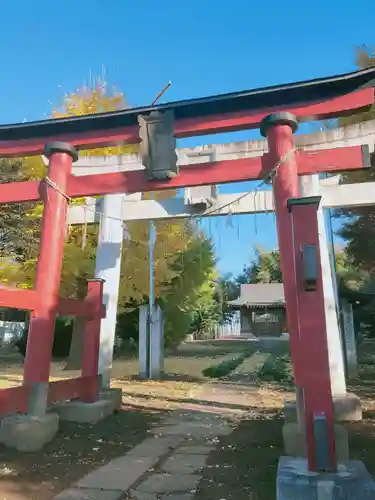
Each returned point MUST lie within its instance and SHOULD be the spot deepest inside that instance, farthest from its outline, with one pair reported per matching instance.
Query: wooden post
(279, 129)
(91, 340)
(42, 320)
(312, 328)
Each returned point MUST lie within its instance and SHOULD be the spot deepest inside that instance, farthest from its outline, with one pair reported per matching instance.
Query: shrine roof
(260, 295)
(291, 94)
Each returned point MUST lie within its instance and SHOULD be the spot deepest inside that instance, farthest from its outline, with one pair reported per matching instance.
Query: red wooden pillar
(279, 129)
(42, 321)
(312, 322)
(91, 341)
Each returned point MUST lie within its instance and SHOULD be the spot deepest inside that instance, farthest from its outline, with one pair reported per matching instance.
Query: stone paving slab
(179, 496)
(195, 450)
(169, 483)
(194, 429)
(184, 464)
(120, 474)
(163, 467)
(89, 494)
(142, 495)
(156, 446)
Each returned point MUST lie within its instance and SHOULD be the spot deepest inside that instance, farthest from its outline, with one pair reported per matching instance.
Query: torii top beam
(309, 100)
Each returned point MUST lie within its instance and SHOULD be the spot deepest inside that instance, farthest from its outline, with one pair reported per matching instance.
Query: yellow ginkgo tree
(174, 240)
(78, 253)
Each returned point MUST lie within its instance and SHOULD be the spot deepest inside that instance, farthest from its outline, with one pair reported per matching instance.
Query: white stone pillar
(108, 267)
(310, 186)
(349, 338)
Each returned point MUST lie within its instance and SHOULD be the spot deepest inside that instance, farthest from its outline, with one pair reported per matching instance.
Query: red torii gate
(276, 110)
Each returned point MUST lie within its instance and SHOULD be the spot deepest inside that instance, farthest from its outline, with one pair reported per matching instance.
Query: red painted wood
(28, 300)
(16, 192)
(285, 186)
(73, 388)
(326, 160)
(18, 298)
(84, 140)
(220, 172)
(193, 175)
(42, 321)
(91, 340)
(230, 122)
(247, 120)
(313, 335)
(14, 400)
(73, 307)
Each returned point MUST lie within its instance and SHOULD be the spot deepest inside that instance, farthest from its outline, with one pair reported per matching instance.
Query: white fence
(231, 329)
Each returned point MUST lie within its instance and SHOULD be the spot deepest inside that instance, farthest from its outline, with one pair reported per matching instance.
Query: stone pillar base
(346, 409)
(295, 482)
(27, 433)
(83, 413)
(113, 394)
(295, 442)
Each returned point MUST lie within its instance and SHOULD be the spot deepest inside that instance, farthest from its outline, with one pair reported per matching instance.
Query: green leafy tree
(189, 300)
(358, 227)
(185, 298)
(264, 269)
(358, 223)
(227, 290)
(18, 233)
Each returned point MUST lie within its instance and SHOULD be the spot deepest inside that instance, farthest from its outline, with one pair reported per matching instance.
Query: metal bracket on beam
(310, 267)
(158, 145)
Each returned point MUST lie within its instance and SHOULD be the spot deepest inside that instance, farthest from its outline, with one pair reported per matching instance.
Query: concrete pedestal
(294, 438)
(347, 408)
(27, 433)
(81, 412)
(351, 482)
(113, 394)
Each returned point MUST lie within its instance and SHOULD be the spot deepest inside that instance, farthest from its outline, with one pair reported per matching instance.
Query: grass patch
(276, 369)
(252, 364)
(225, 367)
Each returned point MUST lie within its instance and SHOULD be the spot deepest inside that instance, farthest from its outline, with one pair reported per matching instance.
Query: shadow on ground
(43, 474)
(244, 464)
(168, 377)
(362, 440)
(195, 402)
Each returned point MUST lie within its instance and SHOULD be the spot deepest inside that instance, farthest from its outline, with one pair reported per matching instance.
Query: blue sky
(203, 47)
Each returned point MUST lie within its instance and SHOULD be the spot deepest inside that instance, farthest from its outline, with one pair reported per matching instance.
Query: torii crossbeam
(277, 111)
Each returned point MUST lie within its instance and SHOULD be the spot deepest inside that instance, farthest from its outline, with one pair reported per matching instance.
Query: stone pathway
(165, 466)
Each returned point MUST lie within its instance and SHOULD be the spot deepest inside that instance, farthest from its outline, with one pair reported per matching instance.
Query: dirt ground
(78, 449)
(244, 462)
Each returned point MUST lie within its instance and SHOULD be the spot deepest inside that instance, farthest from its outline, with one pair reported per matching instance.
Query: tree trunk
(76, 347)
